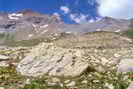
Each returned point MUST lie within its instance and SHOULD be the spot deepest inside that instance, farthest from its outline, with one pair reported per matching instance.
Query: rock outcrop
(54, 61)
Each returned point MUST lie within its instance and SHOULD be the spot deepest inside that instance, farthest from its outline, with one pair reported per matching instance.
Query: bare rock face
(54, 61)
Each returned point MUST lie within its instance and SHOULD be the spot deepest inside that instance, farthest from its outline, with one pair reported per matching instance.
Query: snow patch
(56, 34)
(56, 14)
(98, 29)
(44, 26)
(15, 16)
(34, 25)
(44, 31)
(68, 32)
(91, 21)
(118, 30)
(30, 35)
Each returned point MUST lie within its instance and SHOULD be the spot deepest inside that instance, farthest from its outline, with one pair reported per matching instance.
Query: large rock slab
(57, 61)
(53, 61)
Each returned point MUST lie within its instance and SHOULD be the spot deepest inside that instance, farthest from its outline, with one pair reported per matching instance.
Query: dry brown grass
(95, 40)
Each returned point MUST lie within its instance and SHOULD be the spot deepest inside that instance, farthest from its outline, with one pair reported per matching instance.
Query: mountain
(29, 25)
(104, 24)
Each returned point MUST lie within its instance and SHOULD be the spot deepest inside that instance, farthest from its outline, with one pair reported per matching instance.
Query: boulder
(130, 86)
(71, 84)
(53, 61)
(125, 65)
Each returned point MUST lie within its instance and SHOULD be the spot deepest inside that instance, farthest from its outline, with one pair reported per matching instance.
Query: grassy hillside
(129, 32)
(10, 40)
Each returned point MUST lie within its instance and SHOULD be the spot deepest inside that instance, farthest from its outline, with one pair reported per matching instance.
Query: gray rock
(109, 86)
(71, 84)
(28, 81)
(84, 82)
(125, 65)
(52, 84)
(54, 61)
(61, 84)
(55, 80)
(117, 55)
(2, 57)
(66, 81)
(130, 86)
(4, 64)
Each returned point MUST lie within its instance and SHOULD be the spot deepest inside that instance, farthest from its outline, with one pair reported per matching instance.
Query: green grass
(11, 80)
(38, 86)
(10, 39)
(129, 32)
(32, 42)
(2, 35)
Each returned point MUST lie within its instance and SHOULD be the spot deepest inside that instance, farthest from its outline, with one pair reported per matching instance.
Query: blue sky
(73, 11)
(78, 11)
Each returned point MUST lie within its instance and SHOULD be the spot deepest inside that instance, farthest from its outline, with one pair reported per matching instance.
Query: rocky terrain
(42, 52)
(80, 62)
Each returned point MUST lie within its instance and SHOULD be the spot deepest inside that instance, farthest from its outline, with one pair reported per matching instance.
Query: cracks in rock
(60, 59)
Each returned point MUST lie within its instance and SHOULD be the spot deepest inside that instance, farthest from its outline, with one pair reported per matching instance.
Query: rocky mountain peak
(26, 11)
(56, 19)
(108, 20)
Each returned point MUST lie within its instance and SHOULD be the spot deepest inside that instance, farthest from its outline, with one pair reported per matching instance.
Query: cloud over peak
(79, 18)
(121, 9)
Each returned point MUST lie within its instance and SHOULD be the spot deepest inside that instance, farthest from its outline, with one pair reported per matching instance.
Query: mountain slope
(29, 25)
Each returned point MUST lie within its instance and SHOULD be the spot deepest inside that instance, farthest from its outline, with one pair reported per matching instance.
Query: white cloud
(116, 8)
(65, 9)
(79, 18)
